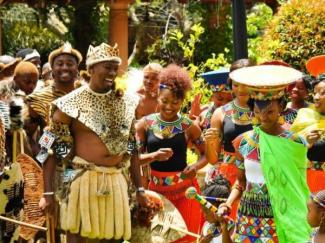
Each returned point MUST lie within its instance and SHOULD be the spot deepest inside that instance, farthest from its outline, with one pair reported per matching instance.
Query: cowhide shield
(33, 191)
(11, 201)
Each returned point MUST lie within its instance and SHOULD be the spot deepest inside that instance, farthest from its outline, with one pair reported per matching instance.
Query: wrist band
(48, 193)
(141, 189)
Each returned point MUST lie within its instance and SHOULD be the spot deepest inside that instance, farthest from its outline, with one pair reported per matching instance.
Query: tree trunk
(83, 28)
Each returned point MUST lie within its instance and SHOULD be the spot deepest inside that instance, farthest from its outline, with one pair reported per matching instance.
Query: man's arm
(59, 122)
(135, 168)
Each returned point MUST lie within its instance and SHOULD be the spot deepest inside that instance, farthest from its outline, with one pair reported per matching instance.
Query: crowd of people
(90, 152)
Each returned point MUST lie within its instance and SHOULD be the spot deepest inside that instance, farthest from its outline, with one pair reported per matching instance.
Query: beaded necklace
(166, 129)
(239, 115)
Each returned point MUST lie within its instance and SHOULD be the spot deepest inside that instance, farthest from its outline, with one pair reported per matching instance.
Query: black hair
(24, 52)
(320, 78)
(264, 103)
(308, 80)
(219, 187)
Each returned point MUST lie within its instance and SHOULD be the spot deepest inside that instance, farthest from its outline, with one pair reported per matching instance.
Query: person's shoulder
(249, 137)
(40, 92)
(227, 107)
(294, 137)
(71, 95)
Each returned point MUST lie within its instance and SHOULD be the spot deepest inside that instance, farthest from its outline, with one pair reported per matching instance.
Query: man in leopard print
(100, 120)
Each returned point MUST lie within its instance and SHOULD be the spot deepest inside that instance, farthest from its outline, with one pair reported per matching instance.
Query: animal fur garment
(98, 204)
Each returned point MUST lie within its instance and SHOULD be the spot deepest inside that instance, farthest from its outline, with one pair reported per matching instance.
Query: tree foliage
(296, 33)
(23, 27)
(186, 47)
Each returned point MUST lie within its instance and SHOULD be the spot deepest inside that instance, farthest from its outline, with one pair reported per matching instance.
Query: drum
(159, 230)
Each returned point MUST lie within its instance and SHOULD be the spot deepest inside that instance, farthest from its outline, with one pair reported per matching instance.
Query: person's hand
(142, 199)
(190, 171)
(206, 239)
(223, 209)
(313, 136)
(46, 203)
(163, 154)
(212, 135)
(196, 106)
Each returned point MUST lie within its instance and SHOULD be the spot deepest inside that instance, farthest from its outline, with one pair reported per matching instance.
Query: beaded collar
(167, 129)
(290, 115)
(239, 115)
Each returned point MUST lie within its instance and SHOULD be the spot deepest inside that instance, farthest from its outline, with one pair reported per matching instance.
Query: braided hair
(219, 188)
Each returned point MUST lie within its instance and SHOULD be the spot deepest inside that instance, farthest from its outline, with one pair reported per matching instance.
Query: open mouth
(317, 104)
(109, 81)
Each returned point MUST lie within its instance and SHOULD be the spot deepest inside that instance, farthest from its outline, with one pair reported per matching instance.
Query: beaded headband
(317, 201)
(220, 88)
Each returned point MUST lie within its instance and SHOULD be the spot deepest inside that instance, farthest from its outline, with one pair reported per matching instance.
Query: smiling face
(64, 68)
(319, 97)
(169, 105)
(103, 75)
(221, 98)
(150, 81)
(268, 115)
(299, 91)
(240, 91)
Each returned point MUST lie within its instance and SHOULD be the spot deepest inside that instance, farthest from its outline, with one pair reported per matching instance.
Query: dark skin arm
(49, 167)
(136, 176)
(193, 133)
(213, 137)
(225, 233)
(31, 124)
(235, 193)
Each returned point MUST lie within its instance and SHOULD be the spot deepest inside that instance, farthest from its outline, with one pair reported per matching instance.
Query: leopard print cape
(108, 115)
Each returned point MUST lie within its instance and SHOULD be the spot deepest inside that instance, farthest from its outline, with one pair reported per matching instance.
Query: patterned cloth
(307, 120)
(209, 228)
(255, 222)
(290, 115)
(189, 209)
(41, 101)
(313, 235)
